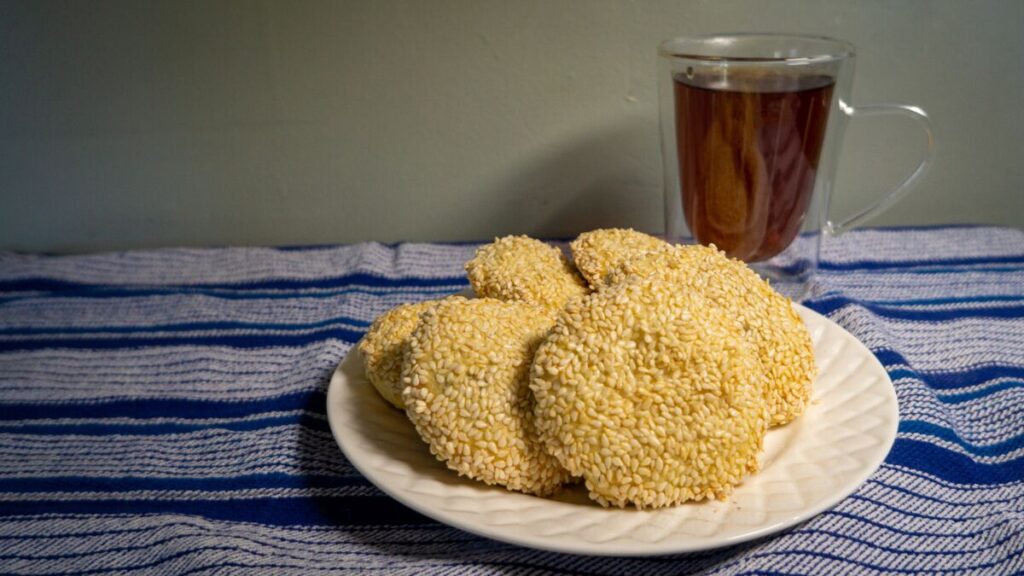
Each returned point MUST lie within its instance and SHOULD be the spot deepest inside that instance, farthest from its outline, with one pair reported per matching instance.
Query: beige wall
(131, 124)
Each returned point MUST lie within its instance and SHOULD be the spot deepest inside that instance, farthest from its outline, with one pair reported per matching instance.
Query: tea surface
(748, 150)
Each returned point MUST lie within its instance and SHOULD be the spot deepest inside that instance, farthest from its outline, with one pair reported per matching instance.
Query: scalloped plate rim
(339, 385)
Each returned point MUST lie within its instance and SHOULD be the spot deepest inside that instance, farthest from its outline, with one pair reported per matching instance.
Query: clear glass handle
(908, 184)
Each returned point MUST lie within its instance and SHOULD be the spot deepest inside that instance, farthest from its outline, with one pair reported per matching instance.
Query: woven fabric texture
(162, 412)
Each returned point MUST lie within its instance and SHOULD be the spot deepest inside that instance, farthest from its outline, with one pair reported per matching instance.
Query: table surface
(163, 412)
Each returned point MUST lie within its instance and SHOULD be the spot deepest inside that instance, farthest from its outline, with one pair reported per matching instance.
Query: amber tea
(751, 129)
(748, 151)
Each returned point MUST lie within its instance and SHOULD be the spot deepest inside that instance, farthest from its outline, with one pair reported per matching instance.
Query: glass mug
(751, 127)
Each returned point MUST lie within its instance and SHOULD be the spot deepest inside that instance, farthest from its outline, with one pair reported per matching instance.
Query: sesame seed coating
(650, 395)
(598, 252)
(777, 332)
(385, 344)
(524, 269)
(467, 392)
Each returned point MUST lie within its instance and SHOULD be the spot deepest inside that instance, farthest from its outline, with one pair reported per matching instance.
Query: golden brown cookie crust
(467, 392)
(650, 395)
(598, 252)
(778, 333)
(520, 268)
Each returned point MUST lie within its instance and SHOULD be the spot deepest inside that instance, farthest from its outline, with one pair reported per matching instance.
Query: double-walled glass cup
(751, 129)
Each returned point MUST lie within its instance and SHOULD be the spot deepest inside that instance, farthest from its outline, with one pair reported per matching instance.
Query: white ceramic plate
(807, 467)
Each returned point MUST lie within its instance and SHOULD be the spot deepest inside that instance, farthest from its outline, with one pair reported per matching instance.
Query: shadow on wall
(590, 180)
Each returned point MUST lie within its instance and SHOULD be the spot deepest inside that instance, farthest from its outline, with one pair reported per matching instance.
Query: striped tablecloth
(163, 412)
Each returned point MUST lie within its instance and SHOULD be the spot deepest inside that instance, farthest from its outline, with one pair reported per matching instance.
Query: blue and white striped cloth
(163, 412)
